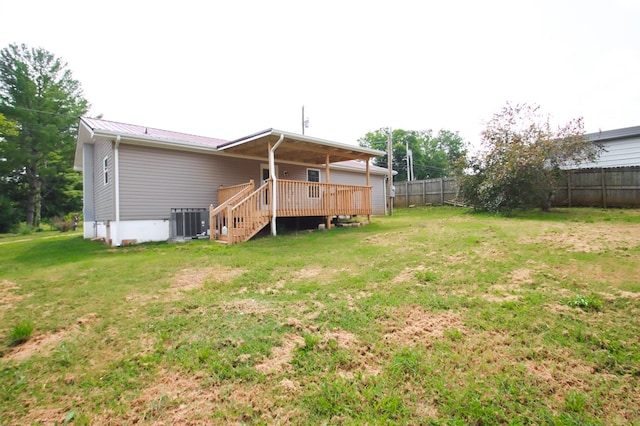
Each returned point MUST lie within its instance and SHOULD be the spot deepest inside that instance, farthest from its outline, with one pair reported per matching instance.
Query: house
(612, 180)
(143, 184)
(621, 148)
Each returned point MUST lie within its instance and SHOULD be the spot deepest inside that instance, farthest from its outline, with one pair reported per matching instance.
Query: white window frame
(105, 170)
(314, 191)
(264, 166)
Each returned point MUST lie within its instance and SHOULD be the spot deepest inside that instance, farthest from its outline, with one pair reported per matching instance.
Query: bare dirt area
(281, 356)
(408, 274)
(178, 398)
(589, 237)
(43, 344)
(418, 326)
(8, 296)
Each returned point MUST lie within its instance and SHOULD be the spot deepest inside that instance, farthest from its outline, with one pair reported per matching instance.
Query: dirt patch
(195, 278)
(419, 326)
(589, 238)
(307, 273)
(407, 274)
(175, 398)
(629, 295)
(245, 307)
(522, 276)
(8, 298)
(188, 280)
(502, 293)
(560, 375)
(388, 239)
(281, 356)
(44, 344)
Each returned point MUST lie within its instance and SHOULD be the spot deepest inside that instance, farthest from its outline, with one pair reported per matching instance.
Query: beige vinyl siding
(104, 205)
(359, 178)
(155, 180)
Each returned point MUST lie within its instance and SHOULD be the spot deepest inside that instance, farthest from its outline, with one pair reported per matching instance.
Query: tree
(520, 165)
(40, 95)
(432, 156)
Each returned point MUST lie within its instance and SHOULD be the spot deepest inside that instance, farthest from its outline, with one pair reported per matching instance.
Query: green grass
(432, 316)
(20, 333)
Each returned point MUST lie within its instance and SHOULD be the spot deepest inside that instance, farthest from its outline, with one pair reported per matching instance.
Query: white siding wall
(104, 207)
(617, 153)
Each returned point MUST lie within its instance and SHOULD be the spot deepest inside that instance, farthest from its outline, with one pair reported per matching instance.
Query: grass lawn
(432, 316)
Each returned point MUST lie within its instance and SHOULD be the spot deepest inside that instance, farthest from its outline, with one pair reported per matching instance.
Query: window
(105, 170)
(313, 175)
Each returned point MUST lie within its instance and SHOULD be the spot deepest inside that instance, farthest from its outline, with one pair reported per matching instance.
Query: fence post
(442, 191)
(569, 188)
(604, 188)
(406, 193)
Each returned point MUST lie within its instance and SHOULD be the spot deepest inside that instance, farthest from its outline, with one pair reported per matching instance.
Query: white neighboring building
(621, 148)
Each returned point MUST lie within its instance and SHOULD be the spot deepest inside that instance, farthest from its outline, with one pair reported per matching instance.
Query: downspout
(274, 189)
(116, 183)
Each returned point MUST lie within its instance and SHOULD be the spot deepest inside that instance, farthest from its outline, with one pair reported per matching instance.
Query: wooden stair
(238, 220)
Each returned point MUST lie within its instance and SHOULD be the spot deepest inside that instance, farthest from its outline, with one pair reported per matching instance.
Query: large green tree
(520, 163)
(433, 156)
(40, 95)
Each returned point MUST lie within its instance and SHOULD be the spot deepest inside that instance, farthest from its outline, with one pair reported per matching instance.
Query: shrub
(62, 225)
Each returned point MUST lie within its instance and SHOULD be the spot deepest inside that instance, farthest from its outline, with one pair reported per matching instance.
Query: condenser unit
(189, 222)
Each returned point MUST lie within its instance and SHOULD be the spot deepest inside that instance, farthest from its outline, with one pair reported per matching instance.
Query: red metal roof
(149, 132)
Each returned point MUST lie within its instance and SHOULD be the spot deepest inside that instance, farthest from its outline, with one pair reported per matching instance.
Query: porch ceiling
(297, 148)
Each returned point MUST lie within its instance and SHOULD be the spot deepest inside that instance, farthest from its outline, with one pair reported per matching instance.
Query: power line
(43, 112)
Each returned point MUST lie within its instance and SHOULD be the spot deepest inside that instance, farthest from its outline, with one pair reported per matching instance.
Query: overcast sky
(227, 69)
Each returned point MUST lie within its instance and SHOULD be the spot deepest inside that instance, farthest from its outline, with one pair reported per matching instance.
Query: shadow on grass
(42, 253)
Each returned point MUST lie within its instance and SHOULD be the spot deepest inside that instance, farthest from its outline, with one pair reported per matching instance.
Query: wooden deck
(242, 212)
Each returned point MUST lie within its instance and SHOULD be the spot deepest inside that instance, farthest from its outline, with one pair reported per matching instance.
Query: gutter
(116, 183)
(272, 172)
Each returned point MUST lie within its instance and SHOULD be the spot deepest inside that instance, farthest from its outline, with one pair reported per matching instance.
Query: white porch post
(274, 186)
(328, 200)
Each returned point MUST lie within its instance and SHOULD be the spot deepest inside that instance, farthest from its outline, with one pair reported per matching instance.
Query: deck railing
(227, 192)
(244, 214)
(218, 219)
(298, 198)
(249, 216)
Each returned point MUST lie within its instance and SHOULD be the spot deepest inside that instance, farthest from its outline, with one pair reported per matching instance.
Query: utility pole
(390, 188)
(305, 122)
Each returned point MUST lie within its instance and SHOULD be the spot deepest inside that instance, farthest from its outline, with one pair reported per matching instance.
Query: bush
(66, 223)
(61, 224)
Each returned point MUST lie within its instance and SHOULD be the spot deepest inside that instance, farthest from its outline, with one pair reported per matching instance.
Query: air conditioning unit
(189, 222)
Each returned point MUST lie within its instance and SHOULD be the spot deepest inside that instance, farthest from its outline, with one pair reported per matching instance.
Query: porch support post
(274, 188)
(370, 192)
(328, 199)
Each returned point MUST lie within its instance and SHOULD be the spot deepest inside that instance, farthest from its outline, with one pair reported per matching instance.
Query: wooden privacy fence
(423, 192)
(612, 187)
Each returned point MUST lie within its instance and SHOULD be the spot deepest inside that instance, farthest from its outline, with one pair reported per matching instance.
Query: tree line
(40, 103)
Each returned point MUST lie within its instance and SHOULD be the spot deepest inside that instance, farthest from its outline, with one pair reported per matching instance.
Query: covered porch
(244, 209)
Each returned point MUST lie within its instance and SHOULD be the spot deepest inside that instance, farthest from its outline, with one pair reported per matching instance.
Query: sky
(227, 69)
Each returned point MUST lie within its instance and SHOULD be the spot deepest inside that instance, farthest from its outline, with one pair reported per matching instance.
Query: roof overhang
(297, 148)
